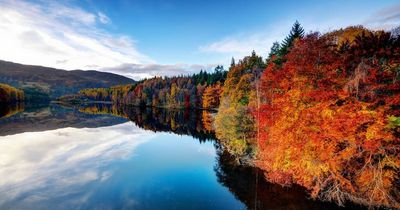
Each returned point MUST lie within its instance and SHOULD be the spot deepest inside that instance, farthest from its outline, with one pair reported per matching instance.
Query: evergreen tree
(254, 61)
(274, 50)
(218, 69)
(296, 32)
(253, 53)
(233, 62)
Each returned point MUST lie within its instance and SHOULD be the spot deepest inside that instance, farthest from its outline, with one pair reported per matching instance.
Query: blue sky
(143, 38)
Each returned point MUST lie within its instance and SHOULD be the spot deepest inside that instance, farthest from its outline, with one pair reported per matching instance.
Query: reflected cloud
(210, 151)
(37, 166)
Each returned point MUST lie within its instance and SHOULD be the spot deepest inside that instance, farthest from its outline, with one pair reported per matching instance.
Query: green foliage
(235, 125)
(394, 121)
(35, 95)
(171, 92)
(233, 63)
(296, 32)
(274, 50)
(235, 129)
(278, 51)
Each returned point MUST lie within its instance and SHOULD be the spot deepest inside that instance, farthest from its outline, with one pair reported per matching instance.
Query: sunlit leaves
(329, 117)
(167, 92)
(211, 96)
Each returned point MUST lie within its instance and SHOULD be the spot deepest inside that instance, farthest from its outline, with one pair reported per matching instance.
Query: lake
(105, 157)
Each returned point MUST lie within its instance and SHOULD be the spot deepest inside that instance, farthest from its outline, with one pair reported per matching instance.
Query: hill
(56, 82)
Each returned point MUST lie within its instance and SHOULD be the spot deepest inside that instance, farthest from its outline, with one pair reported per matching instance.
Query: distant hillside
(56, 82)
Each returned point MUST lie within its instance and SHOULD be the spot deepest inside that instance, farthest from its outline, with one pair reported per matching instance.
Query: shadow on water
(181, 122)
(194, 123)
(8, 110)
(249, 186)
(246, 183)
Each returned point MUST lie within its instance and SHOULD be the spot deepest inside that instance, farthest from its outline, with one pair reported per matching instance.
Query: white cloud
(241, 45)
(103, 18)
(141, 71)
(385, 19)
(56, 35)
(60, 36)
(76, 15)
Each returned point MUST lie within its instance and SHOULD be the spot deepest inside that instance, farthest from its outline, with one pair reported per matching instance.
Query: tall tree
(274, 50)
(296, 32)
(233, 62)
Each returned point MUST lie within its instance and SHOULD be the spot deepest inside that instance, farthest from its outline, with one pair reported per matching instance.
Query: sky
(146, 38)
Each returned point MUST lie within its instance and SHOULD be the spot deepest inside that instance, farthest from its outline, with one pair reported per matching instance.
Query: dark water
(104, 157)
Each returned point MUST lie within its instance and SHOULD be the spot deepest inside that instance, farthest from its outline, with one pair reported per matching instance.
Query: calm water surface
(54, 157)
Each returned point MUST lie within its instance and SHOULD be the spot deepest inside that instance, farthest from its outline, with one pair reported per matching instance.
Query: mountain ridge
(57, 82)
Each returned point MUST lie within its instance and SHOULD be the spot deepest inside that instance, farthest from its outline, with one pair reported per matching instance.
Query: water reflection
(7, 110)
(108, 157)
(42, 117)
(39, 166)
(250, 187)
(195, 123)
(182, 122)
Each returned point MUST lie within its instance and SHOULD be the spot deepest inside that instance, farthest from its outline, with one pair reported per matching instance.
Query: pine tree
(274, 50)
(233, 62)
(296, 32)
(253, 53)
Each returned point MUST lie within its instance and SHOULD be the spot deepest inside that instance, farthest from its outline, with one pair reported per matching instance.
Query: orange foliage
(211, 96)
(324, 119)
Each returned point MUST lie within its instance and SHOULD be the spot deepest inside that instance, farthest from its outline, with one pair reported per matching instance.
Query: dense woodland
(168, 92)
(324, 113)
(329, 116)
(321, 111)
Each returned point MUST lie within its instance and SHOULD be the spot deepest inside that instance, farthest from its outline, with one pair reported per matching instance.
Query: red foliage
(324, 123)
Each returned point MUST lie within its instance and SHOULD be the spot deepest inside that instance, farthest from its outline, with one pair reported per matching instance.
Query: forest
(328, 116)
(321, 111)
(200, 90)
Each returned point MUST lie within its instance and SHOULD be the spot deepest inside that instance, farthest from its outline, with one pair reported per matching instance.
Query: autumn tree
(211, 96)
(172, 92)
(234, 121)
(328, 118)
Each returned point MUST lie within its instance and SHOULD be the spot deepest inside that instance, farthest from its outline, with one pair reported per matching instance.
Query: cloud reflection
(37, 166)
